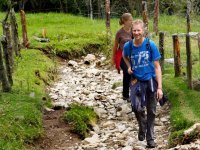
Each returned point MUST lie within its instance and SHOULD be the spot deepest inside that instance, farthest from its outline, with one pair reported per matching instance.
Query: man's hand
(130, 70)
(159, 94)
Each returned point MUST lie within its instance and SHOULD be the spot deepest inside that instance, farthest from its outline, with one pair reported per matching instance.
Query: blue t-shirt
(142, 59)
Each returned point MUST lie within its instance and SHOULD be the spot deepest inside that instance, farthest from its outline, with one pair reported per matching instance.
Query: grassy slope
(72, 34)
(21, 118)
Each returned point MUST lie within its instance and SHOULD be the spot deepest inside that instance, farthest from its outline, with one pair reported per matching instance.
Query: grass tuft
(82, 119)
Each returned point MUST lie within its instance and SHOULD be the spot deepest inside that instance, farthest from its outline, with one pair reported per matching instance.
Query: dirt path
(57, 133)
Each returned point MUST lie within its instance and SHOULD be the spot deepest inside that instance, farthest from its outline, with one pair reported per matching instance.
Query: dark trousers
(146, 122)
(126, 79)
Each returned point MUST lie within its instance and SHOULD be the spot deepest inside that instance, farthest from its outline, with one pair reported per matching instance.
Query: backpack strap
(130, 47)
(148, 47)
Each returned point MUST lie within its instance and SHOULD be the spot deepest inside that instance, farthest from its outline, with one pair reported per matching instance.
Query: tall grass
(20, 110)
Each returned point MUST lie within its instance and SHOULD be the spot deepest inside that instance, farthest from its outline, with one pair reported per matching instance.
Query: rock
(127, 148)
(100, 111)
(130, 141)
(163, 119)
(89, 59)
(109, 124)
(92, 140)
(48, 109)
(63, 93)
(121, 127)
(194, 128)
(96, 128)
(60, 105)
(72, 63)
(138, 148)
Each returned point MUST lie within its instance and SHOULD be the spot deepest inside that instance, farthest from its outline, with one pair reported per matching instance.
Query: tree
(155, 18)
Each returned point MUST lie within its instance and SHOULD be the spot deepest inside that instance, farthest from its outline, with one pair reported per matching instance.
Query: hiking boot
(126, 98)
(151, 144)
(141, 136)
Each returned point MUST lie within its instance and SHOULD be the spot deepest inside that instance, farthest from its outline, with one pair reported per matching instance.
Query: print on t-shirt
(141, 59)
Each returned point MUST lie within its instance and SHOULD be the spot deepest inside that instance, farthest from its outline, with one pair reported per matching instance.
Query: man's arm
(159, 79)
(127, 61)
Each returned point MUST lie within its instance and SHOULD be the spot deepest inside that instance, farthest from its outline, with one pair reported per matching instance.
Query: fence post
(188, 16)
(15, 37)
(6, 87)
(8, 51)
(199, 45)
(161, 48)
(155, 18)
(145, 17)
(24, 30)
(177, 60)
(107, 5)
(189, 61)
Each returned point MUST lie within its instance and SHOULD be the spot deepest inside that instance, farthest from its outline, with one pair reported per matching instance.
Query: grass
(82, 119)
(20, 110)
(185, 104)
(74, 36)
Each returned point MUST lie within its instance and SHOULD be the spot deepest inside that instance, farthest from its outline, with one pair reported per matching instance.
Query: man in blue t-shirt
(142, 58)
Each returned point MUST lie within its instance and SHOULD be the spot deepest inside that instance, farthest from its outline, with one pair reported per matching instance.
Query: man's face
(138, 31)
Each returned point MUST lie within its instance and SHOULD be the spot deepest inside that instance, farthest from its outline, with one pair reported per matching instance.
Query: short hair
(124, 18)
(139, 21)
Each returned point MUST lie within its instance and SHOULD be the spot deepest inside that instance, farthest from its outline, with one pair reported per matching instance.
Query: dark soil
(58, 135)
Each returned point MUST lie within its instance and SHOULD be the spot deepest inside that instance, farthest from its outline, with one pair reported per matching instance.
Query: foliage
(20, 110)
(184, 110)
(118, 7)
(82, 118)
(178, 137)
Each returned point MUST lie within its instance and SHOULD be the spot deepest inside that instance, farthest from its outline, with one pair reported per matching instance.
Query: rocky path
(88, 83)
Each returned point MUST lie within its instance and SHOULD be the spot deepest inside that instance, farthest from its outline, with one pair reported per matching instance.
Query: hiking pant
(126, 79)
(146, 122)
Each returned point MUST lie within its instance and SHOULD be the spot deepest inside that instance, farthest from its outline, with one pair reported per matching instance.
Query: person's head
(138, 29)
(126, 20)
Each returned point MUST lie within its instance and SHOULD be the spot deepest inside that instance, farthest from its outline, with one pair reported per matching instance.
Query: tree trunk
(8, 53)
(107, 5)
(131, 5)
(24, 30)
(15, 37)
(155, 19)
(91, 10)
(4, 79)
(22, 4)
(145, 18)
(138, 7)
(99, 9)
(65, 8)
(61, 6)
